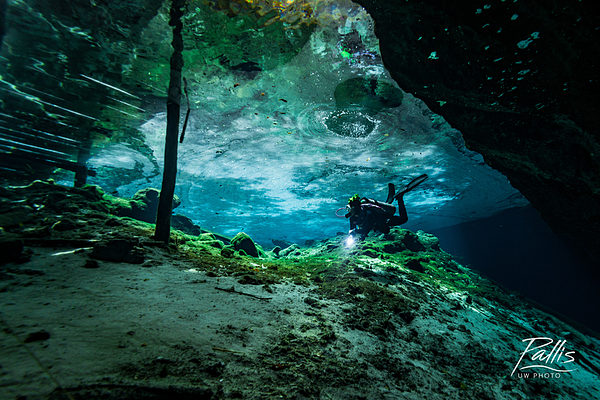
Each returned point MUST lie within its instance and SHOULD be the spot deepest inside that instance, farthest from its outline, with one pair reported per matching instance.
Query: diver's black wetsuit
(367, 214)
(377, 216)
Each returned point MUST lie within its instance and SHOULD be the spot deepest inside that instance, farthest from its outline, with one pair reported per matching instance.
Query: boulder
(144, 204)
(16, 215)
(118, 250)
(415, 265)
(67, 224)
(216, 236)
(428, 240)
(289, 250)
(91, 264)
(11, 250)
(227, 252)
(402, 239)
(185, 224)
(207, 236)
(243, 242)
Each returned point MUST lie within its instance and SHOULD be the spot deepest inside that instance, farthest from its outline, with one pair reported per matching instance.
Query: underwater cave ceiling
(520, 80)
(301, 85)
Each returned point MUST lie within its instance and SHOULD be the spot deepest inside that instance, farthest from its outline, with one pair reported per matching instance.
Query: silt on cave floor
(92, 307)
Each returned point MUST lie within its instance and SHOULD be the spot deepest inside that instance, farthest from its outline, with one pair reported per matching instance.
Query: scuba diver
(366, 214)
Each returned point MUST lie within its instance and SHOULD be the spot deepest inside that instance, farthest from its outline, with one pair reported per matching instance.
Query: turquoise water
(281, 132)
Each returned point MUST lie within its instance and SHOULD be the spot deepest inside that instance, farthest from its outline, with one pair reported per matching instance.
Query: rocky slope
(92, 307)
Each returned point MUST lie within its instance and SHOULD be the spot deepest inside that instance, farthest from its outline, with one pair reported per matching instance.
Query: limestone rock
(402, 239)
(542, 135)
(38, 336)
(16, 215)
(185, 224)
(91, 264)
(207, 236)
(144, 204)
(289, 250)
(428, 240)
(67, 224)
(243, 242)
(11, 251)
(415, 265)
(118, 250)
(228, 252)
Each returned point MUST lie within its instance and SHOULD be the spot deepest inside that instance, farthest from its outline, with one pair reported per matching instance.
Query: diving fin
(391, 191)
(412, 184)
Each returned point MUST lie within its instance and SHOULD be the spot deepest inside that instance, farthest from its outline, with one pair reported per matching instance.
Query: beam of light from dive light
(350, 241)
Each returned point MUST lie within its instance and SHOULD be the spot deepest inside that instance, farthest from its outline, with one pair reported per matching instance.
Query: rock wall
(2, 20)
(520, 81)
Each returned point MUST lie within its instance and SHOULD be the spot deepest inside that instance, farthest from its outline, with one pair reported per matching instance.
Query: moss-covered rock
(402, 239)
(428, 240)
(290, 250)
(207, 236)
(415, 264)
(243, 242)
(228, 252)
(217, 244)
(143, 206)
(276, 250)
(185, 224)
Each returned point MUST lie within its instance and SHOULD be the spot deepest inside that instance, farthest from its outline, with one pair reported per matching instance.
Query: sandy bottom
(130, 331)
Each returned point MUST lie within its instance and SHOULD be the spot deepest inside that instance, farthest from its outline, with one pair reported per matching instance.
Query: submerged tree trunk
(163, 217)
